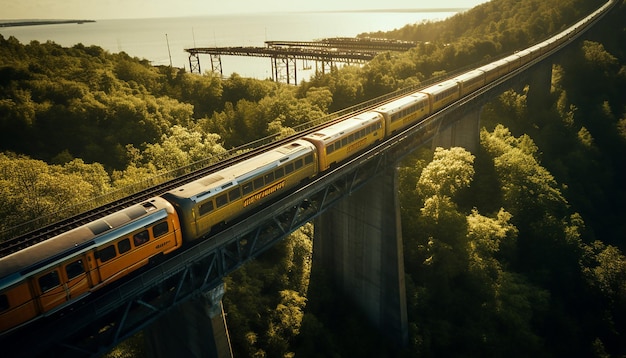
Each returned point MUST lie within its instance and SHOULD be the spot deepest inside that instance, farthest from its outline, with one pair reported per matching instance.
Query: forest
(515, 250)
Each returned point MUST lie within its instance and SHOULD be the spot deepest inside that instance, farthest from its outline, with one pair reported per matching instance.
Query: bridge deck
(338, 48)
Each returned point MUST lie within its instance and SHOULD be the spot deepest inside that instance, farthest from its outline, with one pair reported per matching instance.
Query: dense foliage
(527, 258)
(516, 250)
(82, 109)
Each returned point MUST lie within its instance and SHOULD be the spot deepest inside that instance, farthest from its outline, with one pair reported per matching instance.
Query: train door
(61, 284)
(76, 279)
(51, 291)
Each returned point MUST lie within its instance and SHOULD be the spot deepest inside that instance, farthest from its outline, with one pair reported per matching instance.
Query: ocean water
(163, 41)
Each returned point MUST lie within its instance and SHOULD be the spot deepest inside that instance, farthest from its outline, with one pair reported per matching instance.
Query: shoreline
(12, 23)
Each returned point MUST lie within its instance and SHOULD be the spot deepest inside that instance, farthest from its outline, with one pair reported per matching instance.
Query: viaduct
(357, 241)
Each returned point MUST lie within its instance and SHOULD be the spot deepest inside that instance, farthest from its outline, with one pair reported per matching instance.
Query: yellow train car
(442, 94)
(346, 138)
(470, 81)
(404, 112)
(53, 274)
(491, 70)
(209, 203)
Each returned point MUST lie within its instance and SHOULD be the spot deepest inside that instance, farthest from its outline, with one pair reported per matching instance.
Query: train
(50, 276)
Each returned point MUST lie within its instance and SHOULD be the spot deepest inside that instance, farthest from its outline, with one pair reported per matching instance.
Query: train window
(221, 200)
(140, 238)
(75, 269)
(258, 183)
(107, 253)
(363, 134)
(279, 173)
(124, 246)
(357, 135)
(344, 142)
(298, 164)
(247, 188)
(234, 194)
(269, 177)
(308, 159)
(351, 138)
(49, 281)
(160, 229)
(4, 303)
(288, 168)
(205, 208)
(368, 130)
(330, 148)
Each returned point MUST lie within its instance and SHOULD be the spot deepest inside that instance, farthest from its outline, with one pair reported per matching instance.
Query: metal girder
(216, 64)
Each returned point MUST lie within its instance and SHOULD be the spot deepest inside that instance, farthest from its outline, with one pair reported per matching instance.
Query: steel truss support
(216, 64)
(194, 63)
(284, 69)
(324, 66)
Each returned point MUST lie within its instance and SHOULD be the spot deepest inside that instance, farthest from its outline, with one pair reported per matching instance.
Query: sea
(163, 41)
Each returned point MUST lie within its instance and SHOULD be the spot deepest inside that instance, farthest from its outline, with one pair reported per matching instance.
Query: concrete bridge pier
(540, 86)
(359, 243)
(463, 133)
(196, 328)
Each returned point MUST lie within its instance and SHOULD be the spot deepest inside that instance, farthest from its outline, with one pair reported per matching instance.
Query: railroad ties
(284, 54)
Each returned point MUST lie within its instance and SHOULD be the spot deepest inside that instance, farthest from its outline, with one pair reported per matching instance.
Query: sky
(131, 9)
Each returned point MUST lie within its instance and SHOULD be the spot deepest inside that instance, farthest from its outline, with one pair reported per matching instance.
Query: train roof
(489, 67)
(468, 75)
(215, 183)
(349, 125)
(46, 253)
(441, 86)
(400, 103)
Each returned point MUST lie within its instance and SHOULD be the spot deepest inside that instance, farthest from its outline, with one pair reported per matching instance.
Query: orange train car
(48, 276)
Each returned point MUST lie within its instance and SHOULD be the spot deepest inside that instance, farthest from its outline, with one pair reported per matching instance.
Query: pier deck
(284, 54)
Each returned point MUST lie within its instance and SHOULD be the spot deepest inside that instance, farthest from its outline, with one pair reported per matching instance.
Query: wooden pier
(284, 54)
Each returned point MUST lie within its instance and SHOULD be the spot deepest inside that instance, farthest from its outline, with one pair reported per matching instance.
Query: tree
(181, 147)
(528, 188)
(285, 322)
(486, 236)
(92, 173)
(32, 189)
(450, 171)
